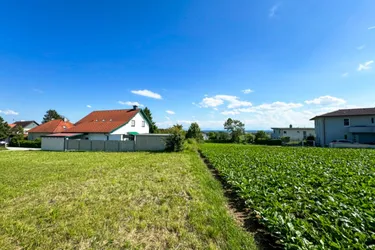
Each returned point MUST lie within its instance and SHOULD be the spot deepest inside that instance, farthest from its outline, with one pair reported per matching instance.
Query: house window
(133, 123)
(372, 120)
(284, 132)
(346, 122)
(297, 131)
(143, 123)
(345, 137)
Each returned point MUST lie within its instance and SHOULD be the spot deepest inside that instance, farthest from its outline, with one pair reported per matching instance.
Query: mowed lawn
(97, 200)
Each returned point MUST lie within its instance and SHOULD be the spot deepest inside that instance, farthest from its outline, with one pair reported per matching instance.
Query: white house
(26, 125)
(295, 134)
(111, 124)
(357, 125)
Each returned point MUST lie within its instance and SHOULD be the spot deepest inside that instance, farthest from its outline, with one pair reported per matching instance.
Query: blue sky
(266, 63)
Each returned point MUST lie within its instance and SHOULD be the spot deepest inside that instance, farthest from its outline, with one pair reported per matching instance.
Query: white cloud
(361, 47)
(326, 100)
(372, 27)
(89, 106)
(167, 118)
(273, 10)
(209, 102)
(170, 112)
(147, 93)
(131, 103)
(365, 66)
(247, 91)
(8, 112)
(215, 101)
(230, 112)
(345, 74)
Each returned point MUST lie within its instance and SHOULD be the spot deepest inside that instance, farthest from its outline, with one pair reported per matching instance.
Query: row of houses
(356, 125)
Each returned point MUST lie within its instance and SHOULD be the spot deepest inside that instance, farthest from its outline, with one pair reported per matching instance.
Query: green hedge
(25, 143)
(268, 142)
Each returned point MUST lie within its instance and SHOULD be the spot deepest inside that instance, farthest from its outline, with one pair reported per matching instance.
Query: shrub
(249, 138)
(25, 144)
(175, 142)
(310, 138)
(285, 139)
(268, 142)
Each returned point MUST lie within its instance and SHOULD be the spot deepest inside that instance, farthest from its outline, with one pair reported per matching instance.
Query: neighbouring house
(26, 125)
(111, 125)
(295, 134)
(357, 125)
(51, 127)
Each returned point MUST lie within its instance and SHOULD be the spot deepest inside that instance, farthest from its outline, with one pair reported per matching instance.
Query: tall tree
(153, 127)
(259, 135)
(194, 131)
(236, 128)
(18, 133)
(4, 129)
(51, 115)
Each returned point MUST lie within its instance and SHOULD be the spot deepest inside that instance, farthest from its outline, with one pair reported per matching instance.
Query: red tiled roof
(54, 126)
(104, 121)
(12, 125)
(348, 112)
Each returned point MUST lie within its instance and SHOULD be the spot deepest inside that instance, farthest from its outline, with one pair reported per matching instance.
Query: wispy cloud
(365, 66)
(89, 106)
(273, 10)
(247, 91)
(345, 74)
(217, 100)
(326, 100)
(170, 112)
(361, 47)
(8, 112)
(371, 28)
(147, 93)
(167, 118)
(130, 103)
(38, 91)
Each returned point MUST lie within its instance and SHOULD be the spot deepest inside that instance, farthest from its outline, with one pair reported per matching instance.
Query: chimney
(135, 107)
(290, 126)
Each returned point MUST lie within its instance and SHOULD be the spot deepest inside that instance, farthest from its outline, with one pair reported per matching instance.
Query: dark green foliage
(153, 127)
(17, 133)
(175, 142)
(4, 129)
(249, 138)
(51, 115)
(310, 138)
(261, 135)
(194, 132)
(285, 139)
(25, 144)
(236, 128)
(269, 142)
(310, 198)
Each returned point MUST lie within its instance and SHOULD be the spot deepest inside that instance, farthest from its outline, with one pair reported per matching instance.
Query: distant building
(26, 125)
(357, 125)
(51, 127)
(295, 134)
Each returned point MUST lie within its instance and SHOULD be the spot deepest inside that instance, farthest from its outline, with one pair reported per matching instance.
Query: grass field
(309, 198)
(94, 200)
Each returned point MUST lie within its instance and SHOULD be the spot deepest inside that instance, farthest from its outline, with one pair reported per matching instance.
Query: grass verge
(95, 200)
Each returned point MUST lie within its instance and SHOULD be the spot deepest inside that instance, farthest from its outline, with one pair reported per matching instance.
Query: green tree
(249, 138)
(175, 142)
(153, 127)
(4, 129)
(261, 135)
(236, 128)
(194, 132)
(212, 135)
(18, 133)
(51, 115)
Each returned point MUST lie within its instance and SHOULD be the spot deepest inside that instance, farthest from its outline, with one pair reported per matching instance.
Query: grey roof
(348, 112)
(24, 123)
(299, 128)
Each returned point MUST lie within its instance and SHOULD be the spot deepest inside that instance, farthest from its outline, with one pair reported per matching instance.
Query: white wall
(138, 126)
(295, 134)
(53, 143)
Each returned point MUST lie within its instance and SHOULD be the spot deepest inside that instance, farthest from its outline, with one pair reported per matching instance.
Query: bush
(25, 144)
(191, 145)
(285, 139)
(269, 142)
(249, 138)
(175, 142)
(310, 138)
